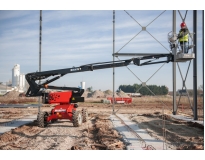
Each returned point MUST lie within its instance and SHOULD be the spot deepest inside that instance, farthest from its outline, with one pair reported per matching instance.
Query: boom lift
(180, 57)
(67, 99)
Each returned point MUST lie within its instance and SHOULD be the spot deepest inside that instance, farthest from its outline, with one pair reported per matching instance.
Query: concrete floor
(19, 105)
(132, 141)
(16, 123)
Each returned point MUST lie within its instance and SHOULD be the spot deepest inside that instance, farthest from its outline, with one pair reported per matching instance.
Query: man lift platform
(181, 56)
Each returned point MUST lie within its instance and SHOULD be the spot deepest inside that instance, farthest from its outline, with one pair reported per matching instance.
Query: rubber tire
(54, 120)
(85, 115)
(77, 118)
(41, 119)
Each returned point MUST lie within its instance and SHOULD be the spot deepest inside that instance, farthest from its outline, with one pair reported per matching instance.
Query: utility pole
(40, 39)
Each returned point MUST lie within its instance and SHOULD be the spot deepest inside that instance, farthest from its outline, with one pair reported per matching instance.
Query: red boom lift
(68, 98)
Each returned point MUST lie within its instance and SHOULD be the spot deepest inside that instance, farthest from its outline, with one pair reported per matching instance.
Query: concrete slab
(19, 105)
(131, 140)
(5, 127)
(185, 118)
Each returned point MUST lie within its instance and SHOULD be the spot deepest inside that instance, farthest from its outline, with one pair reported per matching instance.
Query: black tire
(85, 115)
(77, 118)
(54, 120)
(42, 119)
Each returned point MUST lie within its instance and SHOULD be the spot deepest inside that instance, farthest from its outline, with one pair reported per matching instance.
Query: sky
(71, 38)
(80, 32)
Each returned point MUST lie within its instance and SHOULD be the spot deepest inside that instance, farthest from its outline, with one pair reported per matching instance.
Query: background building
(15, 75)
(82, 85)
(22, 83)
(18, 79)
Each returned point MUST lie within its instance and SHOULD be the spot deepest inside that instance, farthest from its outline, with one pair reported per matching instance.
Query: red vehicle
(123, 100)
(67, 100)
(65, 109)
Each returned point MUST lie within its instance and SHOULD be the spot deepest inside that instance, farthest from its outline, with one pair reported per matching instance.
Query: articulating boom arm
(37, 89)
(153, 57)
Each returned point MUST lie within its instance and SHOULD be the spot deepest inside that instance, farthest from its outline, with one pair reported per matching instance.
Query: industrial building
(18, 79)
(17, 83)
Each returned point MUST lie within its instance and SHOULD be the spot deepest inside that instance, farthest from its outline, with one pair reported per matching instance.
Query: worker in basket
(183, 37)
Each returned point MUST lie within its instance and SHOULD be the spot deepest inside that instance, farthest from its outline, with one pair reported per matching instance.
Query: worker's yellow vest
(185, 38)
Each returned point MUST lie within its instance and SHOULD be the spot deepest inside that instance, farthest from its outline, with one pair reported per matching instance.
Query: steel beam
(203, 57)
(137, 54)
(174, 50)
(195, 65)
(113, 105)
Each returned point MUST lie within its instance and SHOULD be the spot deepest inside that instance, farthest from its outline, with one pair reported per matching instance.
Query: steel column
(113, 105)
(174, 50)
(203, 57)
(195, 65)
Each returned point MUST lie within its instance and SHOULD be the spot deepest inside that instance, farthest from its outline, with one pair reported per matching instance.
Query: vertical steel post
(174, 50)
(113, 105)
(40, 39)
(195, 64)
(203, 58)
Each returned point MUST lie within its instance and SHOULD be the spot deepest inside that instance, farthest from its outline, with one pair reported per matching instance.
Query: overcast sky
(77, 37)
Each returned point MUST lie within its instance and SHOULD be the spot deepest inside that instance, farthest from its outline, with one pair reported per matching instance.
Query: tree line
(157, 90)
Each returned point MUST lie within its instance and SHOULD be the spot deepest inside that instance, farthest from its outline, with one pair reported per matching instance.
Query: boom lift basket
(180, 57)
(183, 57)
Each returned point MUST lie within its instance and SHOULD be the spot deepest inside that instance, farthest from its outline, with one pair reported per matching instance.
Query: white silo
(21, 82)
(15, 75)
(82, 85)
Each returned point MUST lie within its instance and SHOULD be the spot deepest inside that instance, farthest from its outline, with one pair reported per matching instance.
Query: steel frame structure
(174, 52)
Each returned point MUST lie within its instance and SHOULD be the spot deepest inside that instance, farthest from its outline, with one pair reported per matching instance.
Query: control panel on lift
(180, 56)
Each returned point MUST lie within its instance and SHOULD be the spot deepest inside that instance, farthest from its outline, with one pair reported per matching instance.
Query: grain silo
(15, 75)
(21, 82)
(82, 85)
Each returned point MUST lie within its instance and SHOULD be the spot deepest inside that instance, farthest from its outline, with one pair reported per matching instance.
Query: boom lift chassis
(66, 100)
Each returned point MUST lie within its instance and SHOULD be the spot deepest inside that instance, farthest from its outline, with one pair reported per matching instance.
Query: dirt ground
(98, 133)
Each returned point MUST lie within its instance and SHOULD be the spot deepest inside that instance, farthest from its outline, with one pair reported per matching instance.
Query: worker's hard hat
(183, 25)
